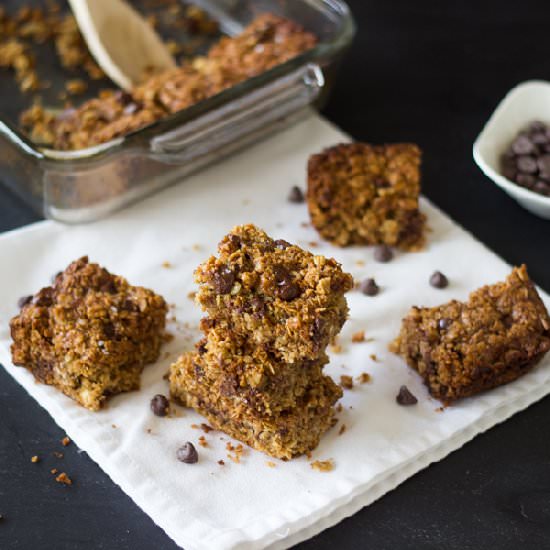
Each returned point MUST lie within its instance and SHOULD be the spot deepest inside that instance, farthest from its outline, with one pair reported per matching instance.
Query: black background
(424, 71)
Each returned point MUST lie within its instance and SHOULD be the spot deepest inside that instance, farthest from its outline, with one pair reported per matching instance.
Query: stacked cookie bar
(258, 372)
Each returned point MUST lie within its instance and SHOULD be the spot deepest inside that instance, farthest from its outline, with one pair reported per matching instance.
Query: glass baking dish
(84, 185)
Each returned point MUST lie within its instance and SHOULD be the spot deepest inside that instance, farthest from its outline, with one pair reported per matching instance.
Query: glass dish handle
(240, 122)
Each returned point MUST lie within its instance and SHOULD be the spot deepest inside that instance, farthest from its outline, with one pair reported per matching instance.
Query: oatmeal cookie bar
(367, 194)
(463, 348)
(90, 334)
(254, 376)
(283, 434)
(274, 293)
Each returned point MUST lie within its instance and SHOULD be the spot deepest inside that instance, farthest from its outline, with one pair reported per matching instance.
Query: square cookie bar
(367, 194)
(284, 434)
(90, 334)
(236, 368)
(274, 293)
(463, 348)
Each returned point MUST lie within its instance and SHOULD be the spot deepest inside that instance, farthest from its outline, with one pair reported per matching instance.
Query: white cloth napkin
(251, 505)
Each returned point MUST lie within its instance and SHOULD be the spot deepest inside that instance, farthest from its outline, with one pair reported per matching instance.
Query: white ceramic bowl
(526, 102)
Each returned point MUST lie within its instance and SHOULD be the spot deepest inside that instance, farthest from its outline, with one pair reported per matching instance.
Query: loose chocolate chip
(526, 180)
(187, 453)
(383, 253)
(539, 138)
(281, 244)
(295, 195)
(23, 301)
(223, 280)
(444, 323)
(542, 188)
(526, 164)
(537, 126)
(405, 397)
(369, 287)
(438, 280)
(522, 145)
(160, 405)
(543, 164)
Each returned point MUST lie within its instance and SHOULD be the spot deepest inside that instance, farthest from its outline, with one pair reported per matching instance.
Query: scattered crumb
(191, 295)
(313, 244)
(342, 429)
(166, 265)
(439, 409)
(221, 462)
(202, 441)
(65, 441)
(35, 459)
(270, 464)
(64, 478)
(346, 382)
(305, 224)
(235, 452)
(358, 337)
(364, 378)
(149, 430)
(196, 247)
(114, 426)
(339, 407)
(336, 348)
(76, 86)
(359, 263)
(373, 357)
(57, 454)
(53, 471)
(195, 426)
(206, 428)
(323, 465)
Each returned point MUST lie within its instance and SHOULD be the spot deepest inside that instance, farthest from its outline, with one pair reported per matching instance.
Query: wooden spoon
(124, 45)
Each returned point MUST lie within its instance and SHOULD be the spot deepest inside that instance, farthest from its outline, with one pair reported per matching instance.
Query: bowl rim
(489, 171)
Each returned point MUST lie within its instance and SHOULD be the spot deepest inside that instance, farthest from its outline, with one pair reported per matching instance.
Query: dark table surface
(424, 71)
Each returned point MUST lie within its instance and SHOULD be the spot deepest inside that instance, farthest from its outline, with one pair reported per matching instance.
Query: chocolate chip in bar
(295, 195)
(187, 453)
(23, 301)
(438, 280)
(160, 405)
(383, 253)
(223, 280)
(405, 397)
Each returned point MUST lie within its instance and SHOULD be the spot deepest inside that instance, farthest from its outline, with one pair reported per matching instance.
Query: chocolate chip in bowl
(513, 149)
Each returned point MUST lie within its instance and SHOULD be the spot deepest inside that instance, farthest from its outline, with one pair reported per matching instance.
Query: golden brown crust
(90, 334)
(463, 348)
(284, 434)
(367, 194)
(284, 297)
